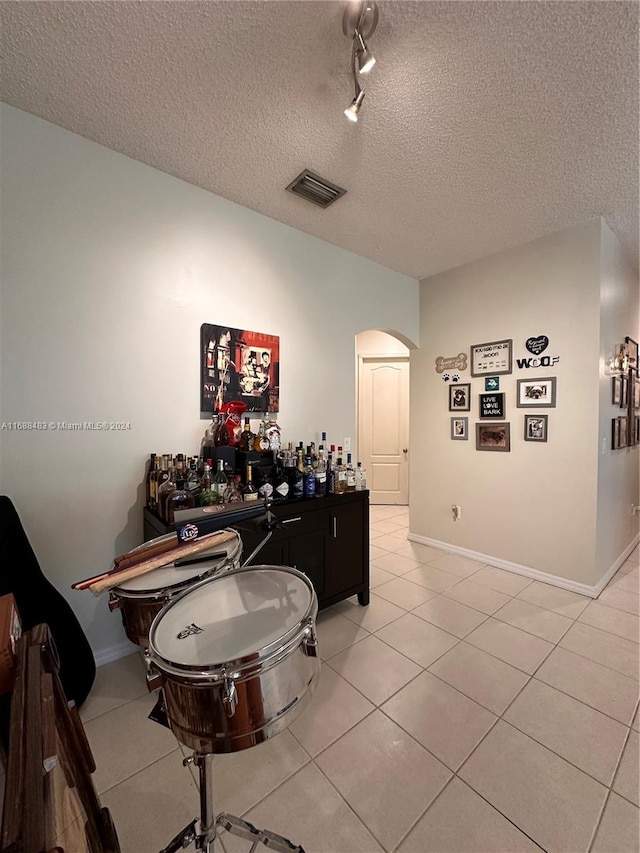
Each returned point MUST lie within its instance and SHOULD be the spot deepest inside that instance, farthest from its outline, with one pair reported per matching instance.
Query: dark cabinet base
(326, 538)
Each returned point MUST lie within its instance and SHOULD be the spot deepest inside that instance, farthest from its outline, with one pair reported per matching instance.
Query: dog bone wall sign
(456, 362)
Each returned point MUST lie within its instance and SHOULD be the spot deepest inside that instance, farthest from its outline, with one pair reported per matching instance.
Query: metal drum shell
(139, 609)
(273, 685)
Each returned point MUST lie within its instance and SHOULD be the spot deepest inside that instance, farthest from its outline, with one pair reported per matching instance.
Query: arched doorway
(382, 414)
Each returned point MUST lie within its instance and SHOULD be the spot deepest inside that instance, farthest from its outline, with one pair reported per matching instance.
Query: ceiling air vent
(315, 189)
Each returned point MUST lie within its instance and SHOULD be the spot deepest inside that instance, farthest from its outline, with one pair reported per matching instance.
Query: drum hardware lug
(114, 602)
(310, 642)
(229, 696)
(154, 679)
(188, 760)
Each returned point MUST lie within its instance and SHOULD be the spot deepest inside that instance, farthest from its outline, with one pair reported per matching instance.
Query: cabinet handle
(291, 520)
(334, 522)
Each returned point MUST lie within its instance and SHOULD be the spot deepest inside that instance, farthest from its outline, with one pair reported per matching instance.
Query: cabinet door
(308, 554)
(347, 559)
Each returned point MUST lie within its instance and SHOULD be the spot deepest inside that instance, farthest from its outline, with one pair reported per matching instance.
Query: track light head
(365, 59)
(353, 109)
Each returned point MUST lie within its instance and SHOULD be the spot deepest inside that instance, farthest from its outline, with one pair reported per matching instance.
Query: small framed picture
(622, 432)
(637, 428)
(460, 397)
(632, 350)
(492, 406)
(536, 427)
(624, 392)
(537, 393)
(616, 390)
(491, 358)
(615, 434)
(460, 429)
(493, 437)
(636, 394)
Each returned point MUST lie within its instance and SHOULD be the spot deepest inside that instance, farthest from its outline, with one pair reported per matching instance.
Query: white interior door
(383, 427)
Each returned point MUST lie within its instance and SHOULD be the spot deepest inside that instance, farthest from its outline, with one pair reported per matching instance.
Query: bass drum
(141, 599)
(238, 657)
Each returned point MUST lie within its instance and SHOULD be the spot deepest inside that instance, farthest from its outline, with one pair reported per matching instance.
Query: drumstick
(131, 558)
(199, 544)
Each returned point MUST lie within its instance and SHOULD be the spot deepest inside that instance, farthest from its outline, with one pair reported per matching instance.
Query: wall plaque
(492, 406)
(491, 358)
(456, 362)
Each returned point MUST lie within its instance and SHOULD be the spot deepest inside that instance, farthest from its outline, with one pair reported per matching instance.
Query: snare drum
(141, 599)
(238, 657)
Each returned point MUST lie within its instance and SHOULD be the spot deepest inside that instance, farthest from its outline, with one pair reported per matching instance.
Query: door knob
(405, 449)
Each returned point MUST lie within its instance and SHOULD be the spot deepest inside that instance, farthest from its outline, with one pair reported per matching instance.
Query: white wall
(109, 268)
(373, 342)
(618, 481)
(537, 505)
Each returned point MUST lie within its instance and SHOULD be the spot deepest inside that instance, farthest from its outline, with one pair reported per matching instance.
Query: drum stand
(205, 835)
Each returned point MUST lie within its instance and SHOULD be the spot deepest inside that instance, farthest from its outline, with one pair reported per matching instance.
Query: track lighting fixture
(359, 22)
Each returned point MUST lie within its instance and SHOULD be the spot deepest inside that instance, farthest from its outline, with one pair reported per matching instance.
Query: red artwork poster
(238, 365)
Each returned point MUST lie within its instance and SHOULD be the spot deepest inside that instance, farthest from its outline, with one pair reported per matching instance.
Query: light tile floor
(465, 710)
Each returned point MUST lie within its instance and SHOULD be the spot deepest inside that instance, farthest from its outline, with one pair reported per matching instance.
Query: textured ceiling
(485, 124)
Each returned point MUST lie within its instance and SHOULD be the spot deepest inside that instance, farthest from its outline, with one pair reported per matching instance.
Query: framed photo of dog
(537, 393)
(493, 437)
(460, 397)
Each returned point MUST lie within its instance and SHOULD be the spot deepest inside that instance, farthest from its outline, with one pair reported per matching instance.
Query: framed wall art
(537, 393)
(460, 397)
(624, 392)
(632, 351)
(623, 425)
(616, 390)
(236, 364)
(636, 393)
(460, 429)
(492, 406)
(615, 433)
(495, 357)
(493, 437)
(536, 427)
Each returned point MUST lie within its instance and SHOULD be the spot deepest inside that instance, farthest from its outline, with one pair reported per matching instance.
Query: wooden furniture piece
(326, 538)
(50, 803)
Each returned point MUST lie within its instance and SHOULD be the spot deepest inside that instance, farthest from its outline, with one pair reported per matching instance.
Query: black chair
(39, 601)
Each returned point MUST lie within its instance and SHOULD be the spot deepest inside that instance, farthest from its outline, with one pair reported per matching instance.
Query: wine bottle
(249, 493)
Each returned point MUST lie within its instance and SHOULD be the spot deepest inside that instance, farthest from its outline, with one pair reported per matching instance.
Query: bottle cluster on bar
(243, 466)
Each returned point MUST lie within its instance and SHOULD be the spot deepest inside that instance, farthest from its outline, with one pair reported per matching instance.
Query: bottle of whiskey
(261, 441)
(351, 475)
(341, 478)
(361, 478)
(247, 437)
(297, 483)
(321, 474)
(161, 475)
(249, 493)
(179, 498)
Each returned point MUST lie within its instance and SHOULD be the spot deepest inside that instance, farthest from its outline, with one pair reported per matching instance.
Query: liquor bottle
(261, 442)
(331, 476)
(282, 488)
(297, 483)
(179, 498)
(351, 475)
(309, 479)
(247, 437)
(341, 478)
(219, 483)
(323, 441)
(208, 441)
(233, 493)
(192, 483)
(266, 486)
(164, 491)
(148, 480)
(207, 496)
(273, 433)
(161, 476)
(361, 478)
(321, 474)
(249, 493)
(222, 437)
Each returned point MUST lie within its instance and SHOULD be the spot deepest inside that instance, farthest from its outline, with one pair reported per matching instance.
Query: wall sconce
(618, 361)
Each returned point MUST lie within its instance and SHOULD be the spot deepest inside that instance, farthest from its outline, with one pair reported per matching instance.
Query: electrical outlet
(347, 445)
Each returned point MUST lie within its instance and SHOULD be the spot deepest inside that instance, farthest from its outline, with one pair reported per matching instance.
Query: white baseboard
(111, 653)
(529, 572)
